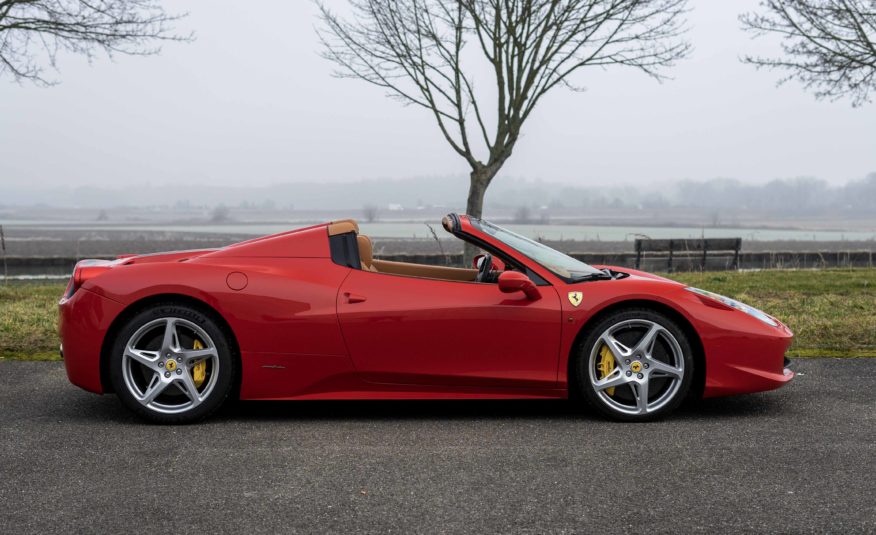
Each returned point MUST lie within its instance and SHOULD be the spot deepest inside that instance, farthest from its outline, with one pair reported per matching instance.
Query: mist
(251, 104)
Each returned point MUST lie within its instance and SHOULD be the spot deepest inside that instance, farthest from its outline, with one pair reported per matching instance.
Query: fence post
(671, 246)
(638, 252)
(736, 253)
(3, 248)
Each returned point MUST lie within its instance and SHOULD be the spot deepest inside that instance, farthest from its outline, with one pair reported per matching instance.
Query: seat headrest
(366, 250)
(343, 226)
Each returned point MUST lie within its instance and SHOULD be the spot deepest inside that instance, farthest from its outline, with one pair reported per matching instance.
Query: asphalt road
(801, 459)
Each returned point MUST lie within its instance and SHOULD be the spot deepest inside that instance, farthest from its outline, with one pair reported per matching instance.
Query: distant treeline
(794, 196)
(804, 196)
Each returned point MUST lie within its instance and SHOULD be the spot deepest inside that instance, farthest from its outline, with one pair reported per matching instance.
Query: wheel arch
(136, 307)
(699, 379)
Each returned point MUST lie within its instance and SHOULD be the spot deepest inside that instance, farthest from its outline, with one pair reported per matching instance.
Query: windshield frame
(494, 231)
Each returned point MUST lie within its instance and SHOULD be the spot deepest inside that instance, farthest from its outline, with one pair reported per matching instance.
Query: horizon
(803, 203)
(307, 181)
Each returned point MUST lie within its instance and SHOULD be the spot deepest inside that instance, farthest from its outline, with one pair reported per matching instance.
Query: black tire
(217, 384)
(665, 389)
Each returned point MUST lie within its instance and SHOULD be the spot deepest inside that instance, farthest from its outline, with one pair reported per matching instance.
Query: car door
(410, 330)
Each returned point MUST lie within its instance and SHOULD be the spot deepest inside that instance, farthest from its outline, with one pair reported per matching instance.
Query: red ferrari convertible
(310, 314)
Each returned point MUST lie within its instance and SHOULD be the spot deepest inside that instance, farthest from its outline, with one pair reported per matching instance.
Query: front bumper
(741, 363)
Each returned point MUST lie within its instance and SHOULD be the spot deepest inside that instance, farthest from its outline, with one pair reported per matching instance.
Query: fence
(699, 248)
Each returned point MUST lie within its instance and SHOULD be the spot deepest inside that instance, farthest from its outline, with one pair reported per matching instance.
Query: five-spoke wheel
(172, 364)
(635, 365)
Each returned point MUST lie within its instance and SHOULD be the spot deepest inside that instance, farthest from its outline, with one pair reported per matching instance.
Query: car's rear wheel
(635, 365)
(172, 363)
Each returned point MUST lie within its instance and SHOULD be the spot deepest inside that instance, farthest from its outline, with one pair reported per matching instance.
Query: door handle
(354, 298)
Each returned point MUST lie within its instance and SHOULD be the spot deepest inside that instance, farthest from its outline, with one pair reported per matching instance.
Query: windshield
(560, 264)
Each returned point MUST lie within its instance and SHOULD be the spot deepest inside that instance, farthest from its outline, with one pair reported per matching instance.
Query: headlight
(733, 303)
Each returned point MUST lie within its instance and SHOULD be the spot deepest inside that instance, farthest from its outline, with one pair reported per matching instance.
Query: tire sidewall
(586, 389)
(227, 368)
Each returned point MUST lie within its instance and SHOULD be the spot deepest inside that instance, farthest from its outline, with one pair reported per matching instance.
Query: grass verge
(29, 321)
(832, 312)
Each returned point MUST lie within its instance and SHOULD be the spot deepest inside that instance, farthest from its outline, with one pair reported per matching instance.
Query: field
(832, 312)
(29, 321)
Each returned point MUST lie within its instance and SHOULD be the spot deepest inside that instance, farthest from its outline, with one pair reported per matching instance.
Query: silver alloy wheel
(635, 367)
(149, 372)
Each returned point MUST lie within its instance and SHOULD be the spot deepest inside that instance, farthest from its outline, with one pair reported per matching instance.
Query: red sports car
(310, 314)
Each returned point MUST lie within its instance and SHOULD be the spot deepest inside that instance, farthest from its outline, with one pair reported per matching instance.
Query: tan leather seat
(366, 252)
(368, 263)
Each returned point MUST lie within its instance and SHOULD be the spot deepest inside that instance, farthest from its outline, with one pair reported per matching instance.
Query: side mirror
(514, 281)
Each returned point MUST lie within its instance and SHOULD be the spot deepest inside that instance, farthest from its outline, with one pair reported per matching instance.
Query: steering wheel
(485, 268)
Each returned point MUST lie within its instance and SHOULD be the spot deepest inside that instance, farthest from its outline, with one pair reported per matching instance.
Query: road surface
(801, 459)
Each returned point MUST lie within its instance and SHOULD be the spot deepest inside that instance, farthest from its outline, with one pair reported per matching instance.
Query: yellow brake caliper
(605, 366)
(199, 371)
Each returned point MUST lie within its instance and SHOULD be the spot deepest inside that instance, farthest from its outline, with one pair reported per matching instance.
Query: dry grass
(29, 321)
(832, 312)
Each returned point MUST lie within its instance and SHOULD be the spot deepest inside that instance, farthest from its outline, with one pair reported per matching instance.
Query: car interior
(356, 250)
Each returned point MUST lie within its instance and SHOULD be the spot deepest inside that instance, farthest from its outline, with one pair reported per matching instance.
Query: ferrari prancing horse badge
(575, 298)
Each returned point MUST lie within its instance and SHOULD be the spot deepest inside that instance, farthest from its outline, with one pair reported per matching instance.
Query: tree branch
(417, 51)
(828, 45)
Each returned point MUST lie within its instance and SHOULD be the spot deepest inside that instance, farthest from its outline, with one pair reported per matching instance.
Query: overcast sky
(251, 102)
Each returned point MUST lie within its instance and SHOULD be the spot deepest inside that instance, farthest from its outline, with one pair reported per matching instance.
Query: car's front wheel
(172, 363)
(635, 365)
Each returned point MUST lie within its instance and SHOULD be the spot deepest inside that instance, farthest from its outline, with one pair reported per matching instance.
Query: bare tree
(522, 214)
(426, 53)
(220, 214)
(828, 45)
(34, 31)
(369, 211)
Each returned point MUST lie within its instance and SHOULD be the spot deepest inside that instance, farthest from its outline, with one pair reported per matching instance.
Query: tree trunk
(474, 207)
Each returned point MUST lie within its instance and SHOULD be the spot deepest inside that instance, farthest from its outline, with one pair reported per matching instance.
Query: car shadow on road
(108, 408)
(403, 410)
(457, 410)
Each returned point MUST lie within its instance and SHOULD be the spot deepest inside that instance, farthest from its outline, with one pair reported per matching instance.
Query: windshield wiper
(598, 276)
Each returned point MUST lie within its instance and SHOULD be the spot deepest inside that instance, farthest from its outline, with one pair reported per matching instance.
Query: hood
(641, 275)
